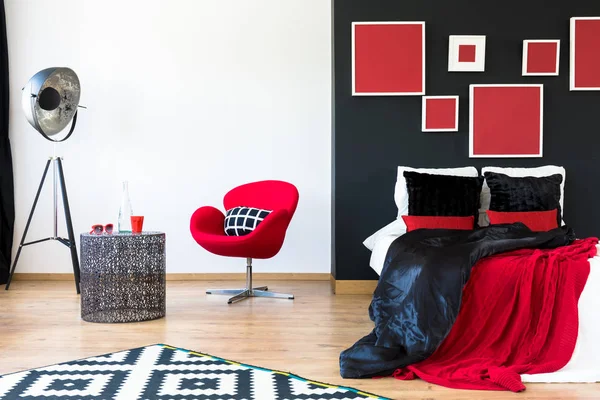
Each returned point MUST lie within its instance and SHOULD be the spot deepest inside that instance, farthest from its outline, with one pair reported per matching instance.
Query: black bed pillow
(443, 195)
(529, 193)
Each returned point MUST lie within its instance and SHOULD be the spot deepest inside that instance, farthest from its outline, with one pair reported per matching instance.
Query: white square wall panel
(466, 53)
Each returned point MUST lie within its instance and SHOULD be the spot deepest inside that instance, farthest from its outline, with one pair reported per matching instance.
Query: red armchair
(207, 229)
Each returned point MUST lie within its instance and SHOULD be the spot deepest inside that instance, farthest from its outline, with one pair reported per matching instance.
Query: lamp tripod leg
(55, 196)
(37, 196)
(72, 243)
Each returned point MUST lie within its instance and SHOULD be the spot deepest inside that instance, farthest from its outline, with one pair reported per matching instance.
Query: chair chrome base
(243, 294)
(249, 291)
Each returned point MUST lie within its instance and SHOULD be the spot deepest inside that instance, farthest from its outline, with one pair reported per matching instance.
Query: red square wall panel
(585, 53)
(541, 57)
(506, 121)
(466, 52)
(388, 58)
(440, 113)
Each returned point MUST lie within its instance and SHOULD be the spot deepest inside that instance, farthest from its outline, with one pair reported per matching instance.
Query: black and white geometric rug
(166, 373)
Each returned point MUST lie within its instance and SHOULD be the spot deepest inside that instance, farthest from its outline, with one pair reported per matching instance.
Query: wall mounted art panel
(541, 57)
(585, 53)
(440, 114)
(466, 53)
(506, 120)
(388, 58)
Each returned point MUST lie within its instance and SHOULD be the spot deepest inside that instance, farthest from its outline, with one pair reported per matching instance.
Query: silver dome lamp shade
(50, 100)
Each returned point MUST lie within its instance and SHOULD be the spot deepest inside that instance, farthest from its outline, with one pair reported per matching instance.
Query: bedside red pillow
(437, 222)
(537, 221)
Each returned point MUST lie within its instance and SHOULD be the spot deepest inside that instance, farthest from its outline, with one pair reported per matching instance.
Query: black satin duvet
(419, 292)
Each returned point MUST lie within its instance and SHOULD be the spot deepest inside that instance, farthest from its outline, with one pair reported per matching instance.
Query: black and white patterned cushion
(240, 221)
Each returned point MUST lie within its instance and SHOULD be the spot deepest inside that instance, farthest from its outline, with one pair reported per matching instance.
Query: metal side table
(123, 277)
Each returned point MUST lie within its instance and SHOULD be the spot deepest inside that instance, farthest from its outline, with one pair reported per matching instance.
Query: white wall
(186, 99)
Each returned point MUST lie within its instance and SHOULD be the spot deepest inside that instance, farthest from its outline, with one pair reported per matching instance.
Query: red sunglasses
(98, 229)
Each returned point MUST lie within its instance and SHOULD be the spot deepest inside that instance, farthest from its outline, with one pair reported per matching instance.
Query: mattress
(583, 366)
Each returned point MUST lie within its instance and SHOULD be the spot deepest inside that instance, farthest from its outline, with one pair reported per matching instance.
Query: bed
(582, 366)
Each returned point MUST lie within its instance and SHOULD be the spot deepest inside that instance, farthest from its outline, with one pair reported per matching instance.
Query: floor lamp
(50, 101)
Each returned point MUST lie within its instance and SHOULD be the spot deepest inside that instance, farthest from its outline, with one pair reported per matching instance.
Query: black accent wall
(373, 135)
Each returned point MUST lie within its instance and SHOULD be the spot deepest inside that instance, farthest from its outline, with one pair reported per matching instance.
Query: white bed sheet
(584, 365)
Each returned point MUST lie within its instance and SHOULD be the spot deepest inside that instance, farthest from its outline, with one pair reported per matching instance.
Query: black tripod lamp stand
(50, 101)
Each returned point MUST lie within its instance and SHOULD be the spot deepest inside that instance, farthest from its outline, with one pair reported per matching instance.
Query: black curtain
(7, 199)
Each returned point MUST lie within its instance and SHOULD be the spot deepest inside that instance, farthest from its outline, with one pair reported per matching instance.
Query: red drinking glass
(137, 223)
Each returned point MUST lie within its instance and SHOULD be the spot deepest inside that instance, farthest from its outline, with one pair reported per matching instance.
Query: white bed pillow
(394, 228)
(545, 170)
(401, 193)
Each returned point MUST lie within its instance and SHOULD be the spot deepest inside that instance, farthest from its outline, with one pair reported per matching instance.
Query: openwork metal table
(123, 277)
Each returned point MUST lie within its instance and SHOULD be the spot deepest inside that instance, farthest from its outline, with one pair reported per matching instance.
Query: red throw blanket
(519, 315)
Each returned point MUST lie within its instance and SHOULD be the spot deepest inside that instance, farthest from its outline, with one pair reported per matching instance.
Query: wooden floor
(40, 324)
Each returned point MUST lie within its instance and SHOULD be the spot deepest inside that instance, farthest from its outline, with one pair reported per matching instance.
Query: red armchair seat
(207, 223)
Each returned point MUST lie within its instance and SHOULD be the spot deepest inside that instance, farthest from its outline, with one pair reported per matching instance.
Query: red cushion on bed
(437, 222)
(537, 221)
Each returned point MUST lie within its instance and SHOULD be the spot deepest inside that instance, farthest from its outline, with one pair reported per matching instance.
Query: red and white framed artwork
(506, 120)
(439, 114)
(388, 58)
(466, 53)
(585, 53)
(541, 57)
